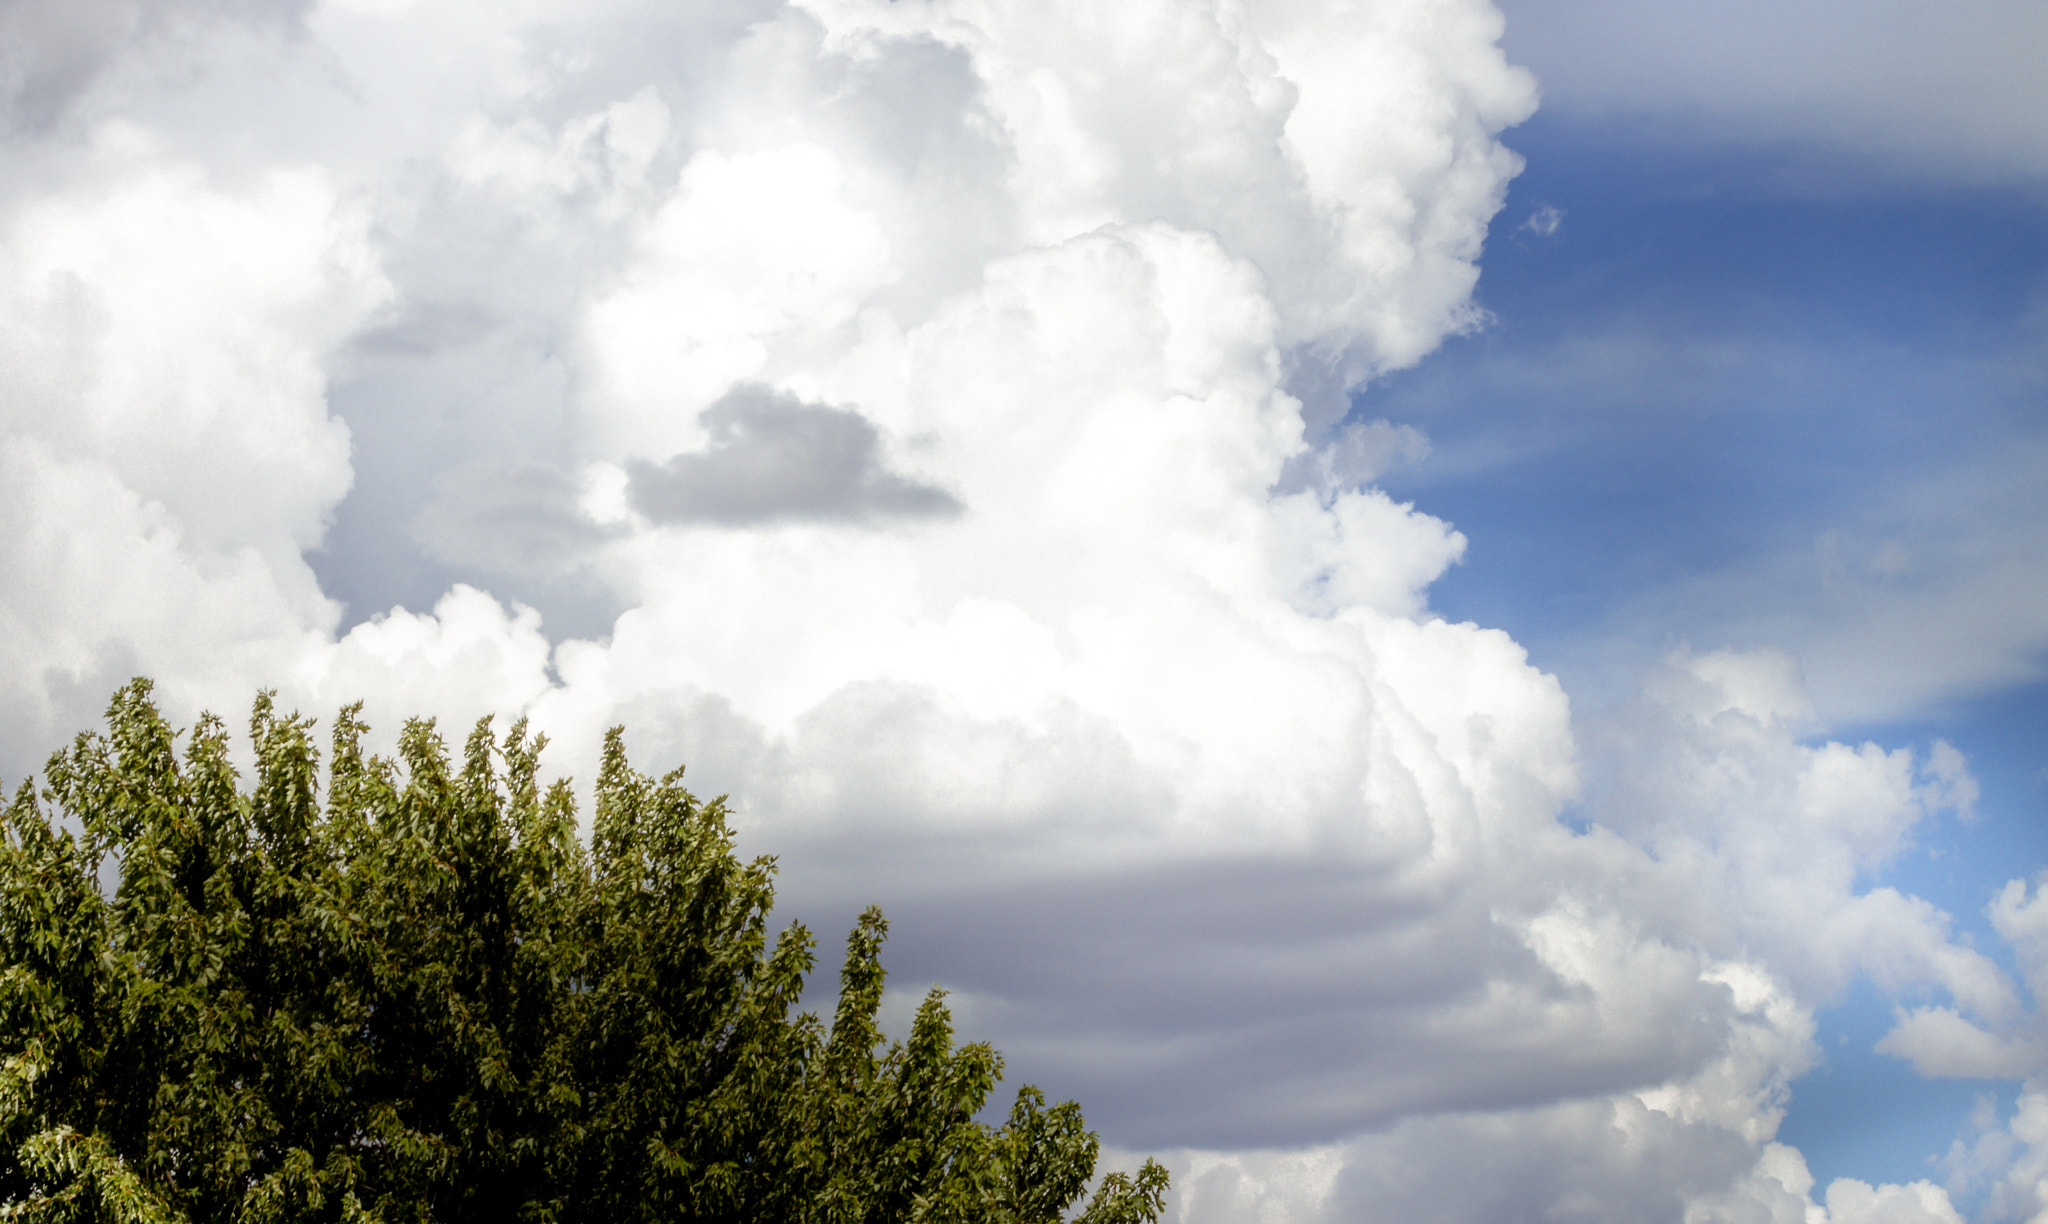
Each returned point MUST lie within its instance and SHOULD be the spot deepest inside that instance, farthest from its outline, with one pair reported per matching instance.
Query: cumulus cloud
(1709, 772)
(1357, 454)
(1125, 697)
(167, 447)
(1997, 1043)
(2006, 1160)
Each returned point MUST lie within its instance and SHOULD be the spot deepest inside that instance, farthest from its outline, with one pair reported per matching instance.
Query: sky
(1431, 608)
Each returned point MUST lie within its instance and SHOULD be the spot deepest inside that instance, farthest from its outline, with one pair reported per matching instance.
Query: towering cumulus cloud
(928, 420)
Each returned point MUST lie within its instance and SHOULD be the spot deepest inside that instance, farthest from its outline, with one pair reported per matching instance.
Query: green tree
(426, 1000)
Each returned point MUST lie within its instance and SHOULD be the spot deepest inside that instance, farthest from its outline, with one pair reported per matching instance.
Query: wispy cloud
(1912, 88)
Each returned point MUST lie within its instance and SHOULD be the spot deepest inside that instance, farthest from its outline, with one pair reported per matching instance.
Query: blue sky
(1717, 358)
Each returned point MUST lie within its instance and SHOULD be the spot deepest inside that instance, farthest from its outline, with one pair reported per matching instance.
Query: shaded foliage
(426, 999)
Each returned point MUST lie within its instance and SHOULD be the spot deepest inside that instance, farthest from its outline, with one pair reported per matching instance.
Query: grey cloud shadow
(1253, 1001)
(1583, 1161)
(1240, 998)
(516, 528)
(52, 52)
(775, 458)
(518, 518)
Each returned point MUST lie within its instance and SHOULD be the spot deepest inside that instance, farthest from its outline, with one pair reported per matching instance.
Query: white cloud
(753, 255)
(1997, 1043)
(2007, 1161)
(175, 333)
(468, 655)
(1709, 773)
(1346, 149)
(1151, 745)
(167, 445)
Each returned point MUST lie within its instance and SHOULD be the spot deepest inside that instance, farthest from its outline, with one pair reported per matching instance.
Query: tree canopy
(425, 998)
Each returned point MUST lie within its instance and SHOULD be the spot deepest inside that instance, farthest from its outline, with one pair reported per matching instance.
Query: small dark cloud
(775, 458)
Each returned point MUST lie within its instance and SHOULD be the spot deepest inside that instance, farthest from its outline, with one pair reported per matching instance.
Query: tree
(427, 999)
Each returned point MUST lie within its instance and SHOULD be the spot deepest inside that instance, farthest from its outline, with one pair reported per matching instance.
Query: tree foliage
(425, 999)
